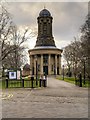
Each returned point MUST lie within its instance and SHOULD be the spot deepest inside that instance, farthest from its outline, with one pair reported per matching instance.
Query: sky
(68, 17)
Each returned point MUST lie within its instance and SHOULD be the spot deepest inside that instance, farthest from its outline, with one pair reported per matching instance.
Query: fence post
(6, 82)
(32, 79)
(22, 82)
(40, 82)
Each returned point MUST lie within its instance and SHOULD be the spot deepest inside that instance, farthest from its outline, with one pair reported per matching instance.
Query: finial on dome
(44, 6)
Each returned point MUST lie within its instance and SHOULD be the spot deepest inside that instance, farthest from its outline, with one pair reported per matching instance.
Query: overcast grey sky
(67, 18)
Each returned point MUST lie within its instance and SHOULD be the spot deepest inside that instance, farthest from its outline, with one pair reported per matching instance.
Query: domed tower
(45, 37)
(45, 57)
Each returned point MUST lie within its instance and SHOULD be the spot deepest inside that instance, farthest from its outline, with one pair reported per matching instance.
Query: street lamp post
(84, 73)
(63, 72)
(84, 69)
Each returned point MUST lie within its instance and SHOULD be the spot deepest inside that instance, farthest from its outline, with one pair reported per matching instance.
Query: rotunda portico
(45, 52)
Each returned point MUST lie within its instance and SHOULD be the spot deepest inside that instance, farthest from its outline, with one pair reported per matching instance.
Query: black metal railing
(25, 83)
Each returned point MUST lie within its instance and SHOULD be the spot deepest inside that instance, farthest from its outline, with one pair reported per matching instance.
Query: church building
(45, 57)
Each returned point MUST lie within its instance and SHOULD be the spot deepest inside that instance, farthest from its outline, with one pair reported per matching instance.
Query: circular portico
(45, 57)
(48, 60)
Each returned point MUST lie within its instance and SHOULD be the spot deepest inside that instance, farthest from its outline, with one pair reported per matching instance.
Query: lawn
(2, 83)
(72, 80)
(18, 83)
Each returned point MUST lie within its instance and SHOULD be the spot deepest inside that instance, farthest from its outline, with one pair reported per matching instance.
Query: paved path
(59, 100)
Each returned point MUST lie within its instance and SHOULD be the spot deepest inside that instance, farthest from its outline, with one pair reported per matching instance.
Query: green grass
(28, 83)
(18, 84)
(72, 80)
(2, 83)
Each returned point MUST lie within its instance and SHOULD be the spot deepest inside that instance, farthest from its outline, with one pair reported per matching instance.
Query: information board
(12, 75)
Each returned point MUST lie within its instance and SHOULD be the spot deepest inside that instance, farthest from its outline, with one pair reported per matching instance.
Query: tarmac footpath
(58, 100)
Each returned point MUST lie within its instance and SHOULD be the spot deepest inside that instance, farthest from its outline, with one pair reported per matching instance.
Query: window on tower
(45, 29)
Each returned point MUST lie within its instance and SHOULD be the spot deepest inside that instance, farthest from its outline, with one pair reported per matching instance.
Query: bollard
(32, 79)
(80, 79)
(44, 80)
(6, 83)
(44, 83)
(41, 81)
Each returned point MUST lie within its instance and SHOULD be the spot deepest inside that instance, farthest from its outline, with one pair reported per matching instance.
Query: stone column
(59, 64)
(56, 64)
(49, 64)
(34, 65)
(41, 65)
(31, 67)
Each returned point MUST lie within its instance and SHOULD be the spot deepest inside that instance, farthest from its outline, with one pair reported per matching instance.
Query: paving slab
(58, 100)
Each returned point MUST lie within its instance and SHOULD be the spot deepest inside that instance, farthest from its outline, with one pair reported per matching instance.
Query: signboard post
(18, 74)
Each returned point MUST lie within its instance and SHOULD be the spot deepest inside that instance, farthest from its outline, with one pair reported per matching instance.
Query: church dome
(44, 13)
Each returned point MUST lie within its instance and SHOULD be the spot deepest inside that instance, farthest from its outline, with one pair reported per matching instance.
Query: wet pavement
(59, 100)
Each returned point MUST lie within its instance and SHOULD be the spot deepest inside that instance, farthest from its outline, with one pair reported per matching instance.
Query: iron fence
(25, 83)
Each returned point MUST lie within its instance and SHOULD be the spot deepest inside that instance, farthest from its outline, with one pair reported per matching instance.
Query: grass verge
(18, 83)
(72, 80)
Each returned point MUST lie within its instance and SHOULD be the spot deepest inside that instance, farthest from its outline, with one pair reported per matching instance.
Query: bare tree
(7, 30)
(12, 41)
(73, 55)
(85, 39)
(67, 57)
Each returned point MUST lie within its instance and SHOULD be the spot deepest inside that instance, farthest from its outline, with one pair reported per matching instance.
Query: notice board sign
(14, 74)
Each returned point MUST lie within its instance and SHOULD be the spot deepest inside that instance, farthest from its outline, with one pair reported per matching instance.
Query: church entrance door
(45, 70)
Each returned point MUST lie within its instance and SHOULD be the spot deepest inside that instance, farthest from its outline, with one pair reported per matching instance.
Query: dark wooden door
(45, 70)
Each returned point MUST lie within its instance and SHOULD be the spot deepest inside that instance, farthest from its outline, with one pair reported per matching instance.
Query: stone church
(45, 57)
